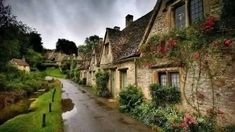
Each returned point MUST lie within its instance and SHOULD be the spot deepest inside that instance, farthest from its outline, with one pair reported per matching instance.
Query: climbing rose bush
(209, 24)
(228, 42)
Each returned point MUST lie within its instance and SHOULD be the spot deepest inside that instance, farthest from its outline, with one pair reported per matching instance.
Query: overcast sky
(76, 19)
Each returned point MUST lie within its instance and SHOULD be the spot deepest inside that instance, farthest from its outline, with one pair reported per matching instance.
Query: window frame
(160, 81)
(123, 78)
(174, 12)
(168, 78)
(171, 80)
(190, 12)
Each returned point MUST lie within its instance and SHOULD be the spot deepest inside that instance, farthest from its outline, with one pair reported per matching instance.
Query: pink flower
(209, 24)
(190, 120)
(197, 55)
(228, 42)
(171, 42)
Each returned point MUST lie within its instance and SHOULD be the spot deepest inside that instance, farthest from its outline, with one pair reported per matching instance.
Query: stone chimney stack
(116, 28)
(129, 19)
(23, 59)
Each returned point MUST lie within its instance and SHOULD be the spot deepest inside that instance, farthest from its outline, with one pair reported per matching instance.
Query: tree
(35, 42)
(11, 32)
(14, 37)
(90, 43)
(33, 58)
(66, 46)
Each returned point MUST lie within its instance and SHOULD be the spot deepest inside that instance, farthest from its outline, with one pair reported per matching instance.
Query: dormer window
(196, 10)
(106, 48)
(180, 16)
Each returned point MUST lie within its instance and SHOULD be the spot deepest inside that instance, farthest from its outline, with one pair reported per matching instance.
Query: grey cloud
(76, 19)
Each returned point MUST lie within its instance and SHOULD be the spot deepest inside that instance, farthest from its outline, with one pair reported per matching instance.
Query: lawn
(55, 72)
(32, 122)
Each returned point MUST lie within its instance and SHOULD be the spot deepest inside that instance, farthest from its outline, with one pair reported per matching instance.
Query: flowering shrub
(209, 24)
(197, 55)
(198, 49)
(228, 42)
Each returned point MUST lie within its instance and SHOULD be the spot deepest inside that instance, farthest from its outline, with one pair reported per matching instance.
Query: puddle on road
(68, 109)
(67, 105)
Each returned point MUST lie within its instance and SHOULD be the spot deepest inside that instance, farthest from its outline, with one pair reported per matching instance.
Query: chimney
(116, 28)
(129, 19)
(23, 59)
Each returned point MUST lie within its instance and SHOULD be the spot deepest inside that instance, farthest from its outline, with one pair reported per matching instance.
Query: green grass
(32, 122)
(55, 72)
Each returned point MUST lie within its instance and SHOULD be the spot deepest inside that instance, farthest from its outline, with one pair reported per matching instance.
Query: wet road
(88, 115)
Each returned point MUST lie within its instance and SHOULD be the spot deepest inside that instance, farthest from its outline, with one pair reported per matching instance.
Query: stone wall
(106, 59)
(130, 66)
(206, 94)
(164, 20)
(224, 83)
(144, 79)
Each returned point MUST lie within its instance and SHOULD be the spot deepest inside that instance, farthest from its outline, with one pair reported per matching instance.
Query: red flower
(189, 120)
(161, 48)
(197, 55)
(209, 24)
(171, 42)
(228, 42)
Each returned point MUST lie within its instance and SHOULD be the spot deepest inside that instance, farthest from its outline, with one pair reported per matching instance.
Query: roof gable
(126, 44)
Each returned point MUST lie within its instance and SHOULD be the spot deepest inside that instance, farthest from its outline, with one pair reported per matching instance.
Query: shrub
(2, 81)
(164, 95)
(102, 79)
(130, 97)
(15, 79)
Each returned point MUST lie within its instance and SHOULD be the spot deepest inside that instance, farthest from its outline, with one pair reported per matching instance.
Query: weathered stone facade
(200, 93)
(119, 53)
(21, 64)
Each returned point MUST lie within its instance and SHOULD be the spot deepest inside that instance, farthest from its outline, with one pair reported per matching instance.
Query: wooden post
(53, 95)
(43, 120)
(50, 107)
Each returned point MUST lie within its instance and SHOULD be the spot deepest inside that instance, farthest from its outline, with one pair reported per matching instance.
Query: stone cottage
(21, 64)
(83, 64)
(171, 14)
(94, 64)
(120, 50)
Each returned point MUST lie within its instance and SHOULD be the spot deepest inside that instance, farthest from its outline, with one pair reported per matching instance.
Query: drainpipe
(135, 73)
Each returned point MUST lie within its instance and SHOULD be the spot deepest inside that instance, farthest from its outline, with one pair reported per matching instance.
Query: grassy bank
(32, 122)
(55, 72)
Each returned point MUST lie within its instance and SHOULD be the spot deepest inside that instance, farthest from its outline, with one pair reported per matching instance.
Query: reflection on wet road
(82, 113)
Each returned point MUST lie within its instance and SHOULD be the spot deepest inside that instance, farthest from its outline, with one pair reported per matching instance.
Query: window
(162, 79)
(196, 10)
(169, 79)
(180, 16)
(123, 78)
(174, 79)
(106, 48)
